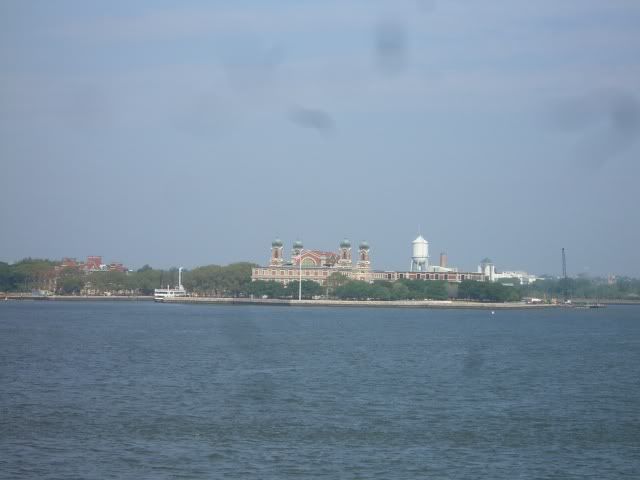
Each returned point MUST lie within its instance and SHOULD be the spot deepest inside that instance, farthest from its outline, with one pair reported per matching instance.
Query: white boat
(159, 294)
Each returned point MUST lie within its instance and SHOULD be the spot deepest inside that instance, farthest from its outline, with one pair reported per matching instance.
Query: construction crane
(564, 276)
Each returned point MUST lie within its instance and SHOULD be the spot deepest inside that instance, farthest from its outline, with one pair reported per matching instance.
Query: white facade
(438, 268)
(488, 269)
(523, 277)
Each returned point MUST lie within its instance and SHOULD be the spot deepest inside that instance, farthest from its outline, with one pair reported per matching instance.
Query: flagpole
(300, 281)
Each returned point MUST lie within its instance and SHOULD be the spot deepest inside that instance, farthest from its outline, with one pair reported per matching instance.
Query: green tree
(487, 292)
(400, 291)
(233, 280)
(333, 281)
(6, 283)
(270, 289)
(71, 281)
(436, 290)
(354, 290)
(110, 281)
(32, 273)
(310, 289)
(145, 280)
(379, 292)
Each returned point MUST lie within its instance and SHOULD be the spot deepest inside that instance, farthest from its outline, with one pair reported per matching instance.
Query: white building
(524, 277)
(488, 269)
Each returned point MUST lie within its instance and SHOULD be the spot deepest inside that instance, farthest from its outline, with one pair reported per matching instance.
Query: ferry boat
(159, 294)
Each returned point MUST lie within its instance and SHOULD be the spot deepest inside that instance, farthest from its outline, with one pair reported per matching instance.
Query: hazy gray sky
(189, 133)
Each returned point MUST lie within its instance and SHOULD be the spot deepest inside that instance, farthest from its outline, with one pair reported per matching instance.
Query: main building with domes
(318, 265)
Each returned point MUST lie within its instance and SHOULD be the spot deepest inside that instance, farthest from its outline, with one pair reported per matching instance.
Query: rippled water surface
(141, 390)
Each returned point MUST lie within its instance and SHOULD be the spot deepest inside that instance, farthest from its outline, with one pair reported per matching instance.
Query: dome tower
(297, 249)
(345, 253)
(276, 253)
(364, 262)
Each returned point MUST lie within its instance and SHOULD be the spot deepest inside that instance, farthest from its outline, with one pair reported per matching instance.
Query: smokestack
(443, 259)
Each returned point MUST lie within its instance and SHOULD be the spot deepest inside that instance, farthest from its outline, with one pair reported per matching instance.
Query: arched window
(308, 262)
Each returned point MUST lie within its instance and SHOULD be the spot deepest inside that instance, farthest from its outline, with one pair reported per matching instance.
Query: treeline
(26, 275)
(141, 282)
(310, 289)
(212, 280)
(384, 290)
(36, 274)
(623, 288)
(234, 280)
(400, 290)
(231, 280)
(488, 292)
(71, 281)
(352, 290)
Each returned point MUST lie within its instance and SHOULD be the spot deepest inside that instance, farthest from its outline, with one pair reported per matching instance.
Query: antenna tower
(564, 274)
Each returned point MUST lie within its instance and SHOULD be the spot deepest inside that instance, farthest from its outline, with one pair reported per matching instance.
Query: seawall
(356, 303)
(122, 298)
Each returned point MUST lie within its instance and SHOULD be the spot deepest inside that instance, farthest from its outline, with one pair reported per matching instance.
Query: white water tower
(420, 255)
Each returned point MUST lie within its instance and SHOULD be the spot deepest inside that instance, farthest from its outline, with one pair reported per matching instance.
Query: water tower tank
(420, 248)
(420, 254)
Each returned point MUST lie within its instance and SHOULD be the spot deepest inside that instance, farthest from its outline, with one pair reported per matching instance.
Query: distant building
(94, 263)
(68, 262)
(523, 277)
(315, 265)
(488, 269)
(318, 265)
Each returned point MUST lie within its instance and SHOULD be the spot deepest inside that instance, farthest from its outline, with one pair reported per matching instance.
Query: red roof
(320, 253)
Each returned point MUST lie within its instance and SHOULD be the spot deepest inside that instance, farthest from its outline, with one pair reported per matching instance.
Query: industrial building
(318, 265)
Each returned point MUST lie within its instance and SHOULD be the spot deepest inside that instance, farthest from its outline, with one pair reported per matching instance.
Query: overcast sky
(191, 133)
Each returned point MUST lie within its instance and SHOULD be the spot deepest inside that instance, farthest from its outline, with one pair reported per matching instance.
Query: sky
(189, 133)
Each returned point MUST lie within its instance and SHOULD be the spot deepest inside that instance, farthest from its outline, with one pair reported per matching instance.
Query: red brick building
(318, 265)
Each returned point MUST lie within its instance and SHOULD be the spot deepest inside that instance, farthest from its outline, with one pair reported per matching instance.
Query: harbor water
(97, 390)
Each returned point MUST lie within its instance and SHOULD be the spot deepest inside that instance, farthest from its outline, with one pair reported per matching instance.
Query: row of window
(292, 273)
(428, 276)
(386, 275)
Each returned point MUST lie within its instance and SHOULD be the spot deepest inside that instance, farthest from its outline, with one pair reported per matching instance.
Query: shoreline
(439, 304)
(449, 304)
(79, 298)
